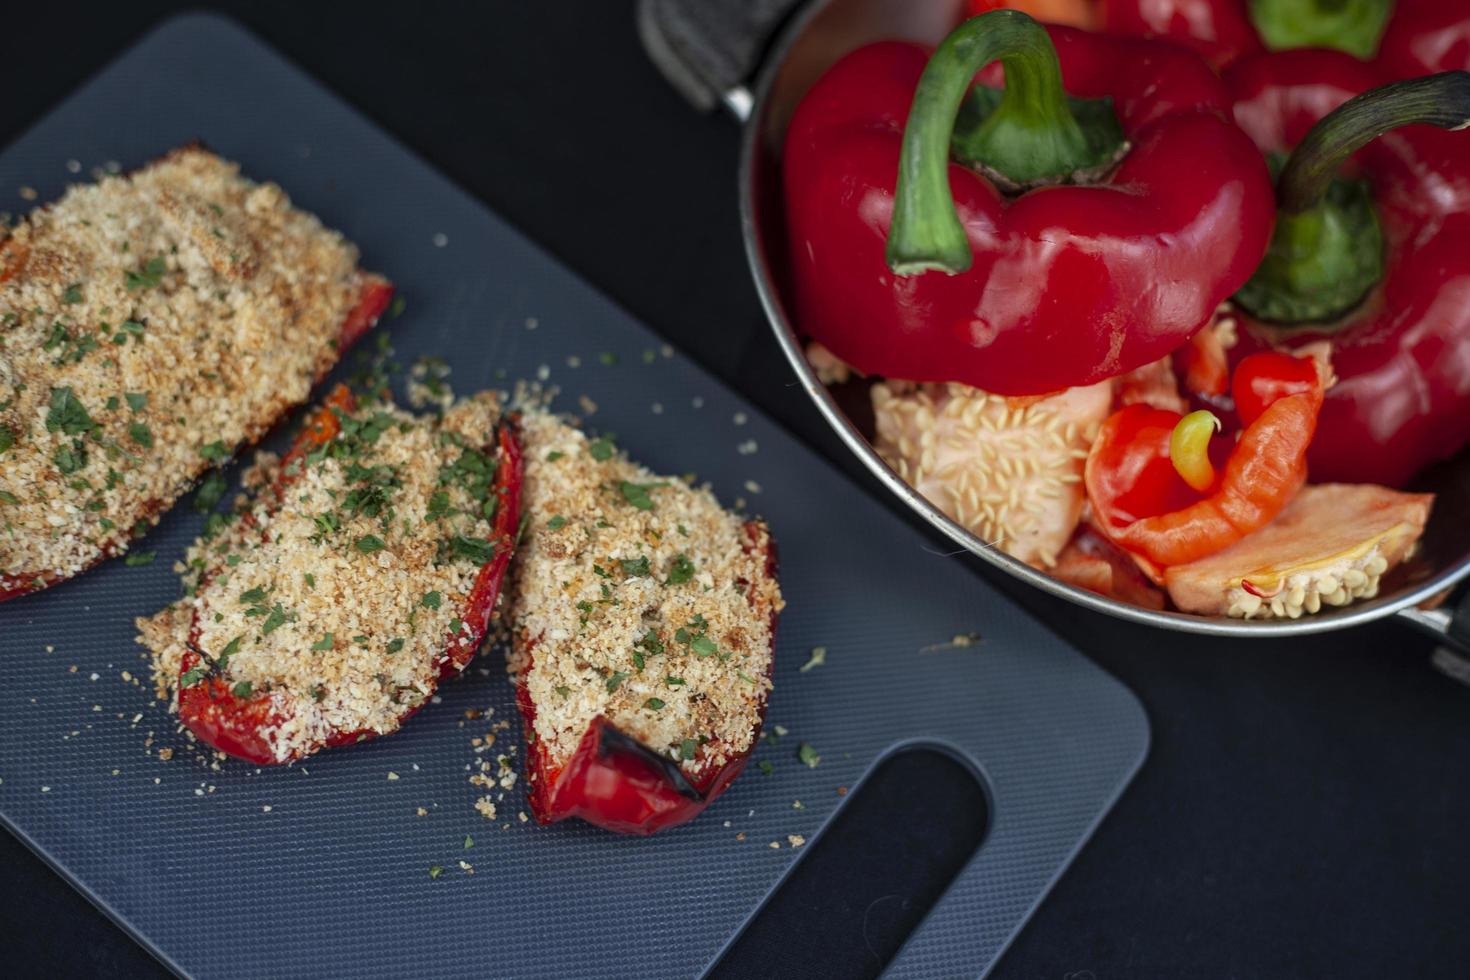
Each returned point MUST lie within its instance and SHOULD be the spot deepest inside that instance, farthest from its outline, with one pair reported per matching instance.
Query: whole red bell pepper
(239, 725)
(616, 782)
(1371, 255)
(927, 242)
(1157, 493)
(1409, 38)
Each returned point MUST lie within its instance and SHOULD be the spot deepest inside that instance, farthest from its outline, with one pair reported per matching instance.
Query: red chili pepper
(372, 300)
(614, 781)
(1054, 287)
(1406, 38)
(1399, 324)
(1144, 505)
(238, 725)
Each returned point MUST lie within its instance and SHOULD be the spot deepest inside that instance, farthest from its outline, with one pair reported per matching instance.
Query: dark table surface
(1301, 813)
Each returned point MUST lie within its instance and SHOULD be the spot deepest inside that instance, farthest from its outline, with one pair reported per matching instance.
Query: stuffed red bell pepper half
(150, 323)
(365, 567)
(1081, 221)
(644, 629)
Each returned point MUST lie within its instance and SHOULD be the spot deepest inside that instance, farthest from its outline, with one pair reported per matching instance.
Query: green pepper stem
(1031, 133)
(1354, 26)
(1441, 100)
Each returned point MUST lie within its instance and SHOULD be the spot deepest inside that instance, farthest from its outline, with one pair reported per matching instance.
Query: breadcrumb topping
(640, 599)
(338, 589)
(149, 324)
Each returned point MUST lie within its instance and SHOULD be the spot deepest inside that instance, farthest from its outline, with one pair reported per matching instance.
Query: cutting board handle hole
(870, 878)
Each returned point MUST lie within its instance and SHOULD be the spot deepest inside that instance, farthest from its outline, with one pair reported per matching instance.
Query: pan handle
(1450, 625)
(709, 49)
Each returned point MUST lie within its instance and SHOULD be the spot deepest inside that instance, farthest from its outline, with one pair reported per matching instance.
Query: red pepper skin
(612, 781)
(1069, 285)
(1219, 30)
(1402, 358)
(1147, 509)
(1424, 37)
(373, 299)
(236, 725)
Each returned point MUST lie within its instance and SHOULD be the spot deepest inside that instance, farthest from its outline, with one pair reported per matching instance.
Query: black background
(1301, 812)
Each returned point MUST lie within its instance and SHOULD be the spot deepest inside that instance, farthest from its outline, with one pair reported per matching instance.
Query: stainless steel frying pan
(756, 58)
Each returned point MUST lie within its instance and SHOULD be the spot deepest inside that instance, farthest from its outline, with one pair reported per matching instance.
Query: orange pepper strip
(1266, 469)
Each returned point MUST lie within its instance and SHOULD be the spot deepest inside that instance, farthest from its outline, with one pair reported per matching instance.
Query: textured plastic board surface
(334, 877)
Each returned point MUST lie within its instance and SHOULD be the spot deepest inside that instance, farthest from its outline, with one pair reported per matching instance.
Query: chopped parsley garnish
(637, 493)
(310, 580)
(635, 567)
(140, 434)
(369, 544)
(683, 531)
(215, 452)
(554, 455)
(703, 646)
(438, 506)
(151, 275)
(479, 552)
(278, 617)
(325, 643)
(745, 677)
(7, 438)
(231, 648)
(71, 458)
(194, 675)
(817, 659)
(396, 308)
(431, 600)
(651, 643)
(456, 624)
(608, 358)
(242, 689)
(638, 660)
(563, 690)
(395, 645)
(687, 748)
(136, 400)
(766, 767)
(681, 571)
(325, 524)
(557, 523)
(8, 497)
(615, 680)
(136, 558)
(211, 490)
(673, 681)
(602, 448)
(435, 872)
(73, 294)
(469, 842)
(126, 328)
(67, 415)
(252, 596)
(808, 756)
(653, 704)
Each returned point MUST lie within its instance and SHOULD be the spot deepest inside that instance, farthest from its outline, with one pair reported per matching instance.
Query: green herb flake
(252, 596)
(137, 400)
(242, 689)
(215, 452)
(637, 493)
(818, 658)
(703, 646)
(563, 690)
(369, 544)
(66, 414)
(232, 648)
(435, 872)
(396, 308)
(635, 567)
(395, 645)
(654, 704)
(607, 358)
(479, 552)
(151, 275)
(193, 676)
(687, 748)
(808, 756)
(673, 681)
(469, 842)
(136, 558)
(615, 680)
(681, 571)
(325, 643)
(556, 523)
(766, 767)
(431, 600)
(456, 624)
(310, 580)
(278, 617)
(7, 438)
(554, 455)
(601, 449)
(140, 434)
(73, 294)
(8, 497)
